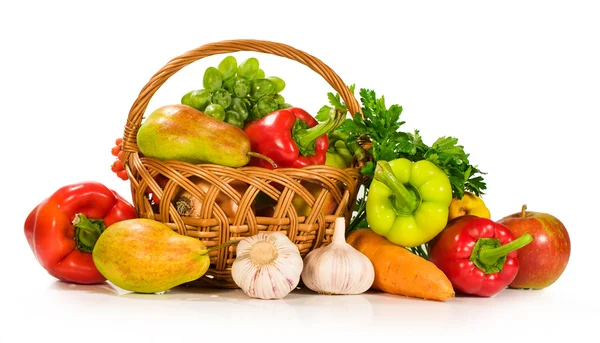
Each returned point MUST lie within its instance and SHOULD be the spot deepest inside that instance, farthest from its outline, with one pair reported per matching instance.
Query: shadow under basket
(217, 204)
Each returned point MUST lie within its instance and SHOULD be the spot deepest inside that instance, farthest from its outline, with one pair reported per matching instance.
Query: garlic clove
(338, 268)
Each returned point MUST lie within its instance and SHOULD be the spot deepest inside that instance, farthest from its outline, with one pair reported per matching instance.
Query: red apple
(542, 261)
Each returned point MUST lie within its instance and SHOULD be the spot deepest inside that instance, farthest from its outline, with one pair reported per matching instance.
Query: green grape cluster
(236, 93)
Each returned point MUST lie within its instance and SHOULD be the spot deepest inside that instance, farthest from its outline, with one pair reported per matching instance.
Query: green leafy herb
(335, 100)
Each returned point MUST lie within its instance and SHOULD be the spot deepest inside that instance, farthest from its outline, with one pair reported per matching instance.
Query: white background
(516, 81)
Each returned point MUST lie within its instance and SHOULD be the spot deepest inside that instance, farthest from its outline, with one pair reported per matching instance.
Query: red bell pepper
(63, 229)
(478, 255)
(291, 137)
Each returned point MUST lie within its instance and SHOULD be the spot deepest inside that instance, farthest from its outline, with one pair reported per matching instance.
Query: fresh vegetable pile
(420, 227)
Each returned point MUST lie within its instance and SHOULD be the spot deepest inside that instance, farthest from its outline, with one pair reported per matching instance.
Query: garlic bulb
(338, 268)
(267, 265)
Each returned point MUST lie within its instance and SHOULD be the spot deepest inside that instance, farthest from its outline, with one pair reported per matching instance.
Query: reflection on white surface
(185, 314)
(371, 309)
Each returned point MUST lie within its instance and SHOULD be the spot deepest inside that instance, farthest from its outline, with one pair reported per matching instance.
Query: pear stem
(261, 156)
(218, 247)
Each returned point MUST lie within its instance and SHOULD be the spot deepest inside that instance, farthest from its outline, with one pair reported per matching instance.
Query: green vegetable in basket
(278, 82)
(261, 88)
(222, 97)
(264, 106)
(234, 118)
(239, 105)
(216, 111)
(248, 68)
(228, 67)
(212, 79)
(338, 155)
(242, 88)
(228, 85)
(198, 99)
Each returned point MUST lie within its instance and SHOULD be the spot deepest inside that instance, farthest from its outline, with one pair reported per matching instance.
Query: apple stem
(523, 211)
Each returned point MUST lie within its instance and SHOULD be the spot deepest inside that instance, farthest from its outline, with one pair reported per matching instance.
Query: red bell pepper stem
(305, 137)
(405, 200)
(490, 256)
(87, 232)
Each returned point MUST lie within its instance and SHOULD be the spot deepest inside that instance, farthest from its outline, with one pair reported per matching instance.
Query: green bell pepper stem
(305, 137)
(405, 201)
(87, 232)
(490, 256)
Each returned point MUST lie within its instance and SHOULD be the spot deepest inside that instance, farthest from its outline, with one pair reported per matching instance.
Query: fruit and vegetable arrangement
(419, 226)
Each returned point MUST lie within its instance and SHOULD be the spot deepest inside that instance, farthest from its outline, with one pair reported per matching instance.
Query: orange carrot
(399, 271)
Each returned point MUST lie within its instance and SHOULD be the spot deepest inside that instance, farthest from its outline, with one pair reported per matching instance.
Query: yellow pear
(146, 256)
(469, 204)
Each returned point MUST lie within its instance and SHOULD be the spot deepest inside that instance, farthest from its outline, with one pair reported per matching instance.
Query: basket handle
(138, 108)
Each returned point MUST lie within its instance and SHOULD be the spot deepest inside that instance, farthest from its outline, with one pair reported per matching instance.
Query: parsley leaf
(335, 100)
(323, 113)
(382, 126)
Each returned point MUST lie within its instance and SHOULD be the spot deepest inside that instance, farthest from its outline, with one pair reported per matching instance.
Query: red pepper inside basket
(291, 137)
(63, 229)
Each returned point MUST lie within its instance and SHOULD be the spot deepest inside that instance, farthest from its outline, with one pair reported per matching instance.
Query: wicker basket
(213, 226)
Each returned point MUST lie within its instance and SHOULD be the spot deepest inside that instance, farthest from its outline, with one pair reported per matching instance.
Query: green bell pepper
(337, 155)
(408, 202)
(335, 160)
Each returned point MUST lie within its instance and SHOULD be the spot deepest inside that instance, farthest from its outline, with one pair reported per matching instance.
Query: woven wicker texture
(241, 185)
